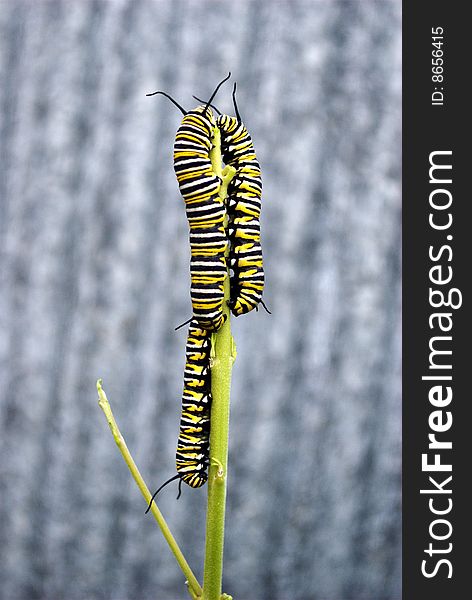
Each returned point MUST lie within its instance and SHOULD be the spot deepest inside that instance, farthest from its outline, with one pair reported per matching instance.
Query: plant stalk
(223, 354)
(194, 587)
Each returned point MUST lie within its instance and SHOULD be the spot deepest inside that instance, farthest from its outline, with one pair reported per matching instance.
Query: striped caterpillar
(244, 209)
(206, 212)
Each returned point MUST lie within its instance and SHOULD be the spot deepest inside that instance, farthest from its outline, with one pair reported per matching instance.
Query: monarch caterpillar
(206, 213)
(194, 436)
(193, 445)
(244, 209)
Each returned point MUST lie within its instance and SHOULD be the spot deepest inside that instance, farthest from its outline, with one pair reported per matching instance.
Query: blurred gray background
(94, 276)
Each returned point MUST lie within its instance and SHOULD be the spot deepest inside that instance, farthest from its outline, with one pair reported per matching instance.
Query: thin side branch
(194, 587)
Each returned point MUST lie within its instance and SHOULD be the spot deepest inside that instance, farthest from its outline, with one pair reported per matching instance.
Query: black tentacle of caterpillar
(212, 105)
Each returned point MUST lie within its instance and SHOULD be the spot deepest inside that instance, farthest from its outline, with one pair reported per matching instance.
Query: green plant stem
(194, 587)
(222, 358)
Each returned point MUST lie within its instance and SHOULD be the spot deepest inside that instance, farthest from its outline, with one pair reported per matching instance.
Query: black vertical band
(436, 269)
